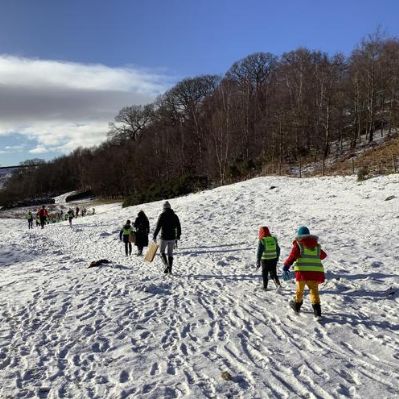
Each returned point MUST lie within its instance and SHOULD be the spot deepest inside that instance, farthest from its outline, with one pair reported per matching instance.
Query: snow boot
(295, 306)
(170, 263)
(317, 310)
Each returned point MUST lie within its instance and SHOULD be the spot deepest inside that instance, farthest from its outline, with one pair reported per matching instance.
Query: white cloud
(39, 150)
(64, 105)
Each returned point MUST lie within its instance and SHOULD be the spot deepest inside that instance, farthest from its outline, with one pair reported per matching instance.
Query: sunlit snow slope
(125, 330)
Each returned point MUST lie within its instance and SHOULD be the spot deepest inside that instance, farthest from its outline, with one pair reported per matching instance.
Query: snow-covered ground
(125, 330)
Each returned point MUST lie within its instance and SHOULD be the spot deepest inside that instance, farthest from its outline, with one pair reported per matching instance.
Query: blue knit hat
(302, 231)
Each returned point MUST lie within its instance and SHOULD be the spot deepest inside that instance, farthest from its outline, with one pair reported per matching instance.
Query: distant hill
(5, 173)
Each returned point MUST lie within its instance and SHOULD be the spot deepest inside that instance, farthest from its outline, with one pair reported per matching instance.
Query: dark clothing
(125, 235)
(30, 220)
(70, 216)
(142, 226)
(269, 266)
(43, 221)
(169, 224)
(128, 245)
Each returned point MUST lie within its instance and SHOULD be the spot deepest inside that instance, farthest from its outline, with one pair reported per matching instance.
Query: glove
(286, 275)
(257, 265)
(175, 246)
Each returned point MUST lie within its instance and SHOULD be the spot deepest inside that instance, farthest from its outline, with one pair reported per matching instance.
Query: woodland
(212, 130)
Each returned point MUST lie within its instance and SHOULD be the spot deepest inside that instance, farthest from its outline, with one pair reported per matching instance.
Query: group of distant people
(43, 217)
(168, 225)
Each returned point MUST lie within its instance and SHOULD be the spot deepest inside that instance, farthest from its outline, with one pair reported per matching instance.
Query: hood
(309, 241)
(263, 232)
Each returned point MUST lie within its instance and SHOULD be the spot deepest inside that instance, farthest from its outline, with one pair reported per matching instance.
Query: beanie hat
(263, 232)
(302, 231)
(127, 221)
(166, 205)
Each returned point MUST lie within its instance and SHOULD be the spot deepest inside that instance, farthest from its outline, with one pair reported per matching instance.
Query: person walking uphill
(124, 235)
(306, 255)
(169, 225)
(43, 215)
(29, 216)
(70, 216)
(268, 255)
(142, 227)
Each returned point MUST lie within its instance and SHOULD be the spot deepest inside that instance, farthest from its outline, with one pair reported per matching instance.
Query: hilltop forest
(217, 129)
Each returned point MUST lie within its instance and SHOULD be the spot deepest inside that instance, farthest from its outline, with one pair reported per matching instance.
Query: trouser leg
(265, 273)
(162, 249)
(300, 288)
(130, 248)
(314, 292)
(170, 263)
(171, 245)
(273, 273)
(167, 245)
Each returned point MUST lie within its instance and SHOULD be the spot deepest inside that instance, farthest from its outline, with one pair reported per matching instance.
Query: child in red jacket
(306, 255)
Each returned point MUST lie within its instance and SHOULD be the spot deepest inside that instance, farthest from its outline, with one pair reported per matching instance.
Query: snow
(125, 330)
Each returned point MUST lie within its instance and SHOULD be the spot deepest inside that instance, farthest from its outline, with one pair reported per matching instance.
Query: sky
(67, 67)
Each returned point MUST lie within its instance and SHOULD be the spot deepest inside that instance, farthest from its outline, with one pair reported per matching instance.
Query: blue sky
(68, 66)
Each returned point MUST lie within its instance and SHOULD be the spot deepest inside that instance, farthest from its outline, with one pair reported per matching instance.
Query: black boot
(165, 262)
(170, 264)
(296, 306)
(317, 310)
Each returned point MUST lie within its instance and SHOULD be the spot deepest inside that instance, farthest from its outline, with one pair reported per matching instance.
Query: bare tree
(130, 122)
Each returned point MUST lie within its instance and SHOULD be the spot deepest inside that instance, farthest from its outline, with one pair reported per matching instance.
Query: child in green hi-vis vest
(306, 256)
(268, 254)
(124, 235)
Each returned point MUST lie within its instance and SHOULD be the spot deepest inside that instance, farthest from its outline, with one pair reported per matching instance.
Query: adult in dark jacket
(169, 225)
(142, 226)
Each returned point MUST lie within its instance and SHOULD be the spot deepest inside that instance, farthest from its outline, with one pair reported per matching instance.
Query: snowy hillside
(4, 175)
(125, 330)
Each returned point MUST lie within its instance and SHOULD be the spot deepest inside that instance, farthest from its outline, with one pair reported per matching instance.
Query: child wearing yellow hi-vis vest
(268, 254)
(306, 255)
